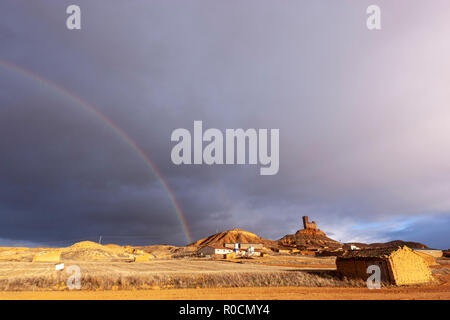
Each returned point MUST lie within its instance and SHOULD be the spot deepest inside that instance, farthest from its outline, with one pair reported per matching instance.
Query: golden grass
(107, 281)
(47, 256)
(174, 273)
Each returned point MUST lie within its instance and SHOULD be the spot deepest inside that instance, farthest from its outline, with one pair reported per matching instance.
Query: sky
(363, 118)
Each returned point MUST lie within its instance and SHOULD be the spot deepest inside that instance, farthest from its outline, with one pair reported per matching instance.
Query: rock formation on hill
(309, 238)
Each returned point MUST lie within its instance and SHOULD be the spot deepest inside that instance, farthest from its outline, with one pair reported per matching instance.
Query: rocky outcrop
(309, 238)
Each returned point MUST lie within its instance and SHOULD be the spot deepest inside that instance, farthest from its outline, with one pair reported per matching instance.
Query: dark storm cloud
(363, 118)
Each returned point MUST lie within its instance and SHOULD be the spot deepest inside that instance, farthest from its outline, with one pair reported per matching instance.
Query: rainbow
(117, 130)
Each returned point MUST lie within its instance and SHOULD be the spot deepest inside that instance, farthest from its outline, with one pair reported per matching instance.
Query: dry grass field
(170, 273)
(204, 279)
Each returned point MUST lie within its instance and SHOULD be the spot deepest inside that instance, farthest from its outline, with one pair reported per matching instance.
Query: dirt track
(269, 293)
(429, 292)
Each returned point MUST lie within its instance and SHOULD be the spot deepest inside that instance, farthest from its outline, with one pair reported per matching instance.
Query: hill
(310, 237)
(394, 243)
(91, 251)
(231, 236)
(306, 238)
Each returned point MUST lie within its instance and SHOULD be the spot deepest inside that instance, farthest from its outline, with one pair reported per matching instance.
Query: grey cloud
(362, 116)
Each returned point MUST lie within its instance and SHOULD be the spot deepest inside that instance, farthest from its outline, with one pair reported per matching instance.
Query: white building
(244, 245)
(210, 250)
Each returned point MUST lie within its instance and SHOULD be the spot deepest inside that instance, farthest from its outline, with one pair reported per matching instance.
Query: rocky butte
(309, 238)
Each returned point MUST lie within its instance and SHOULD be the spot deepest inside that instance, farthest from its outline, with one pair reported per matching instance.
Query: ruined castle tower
(308, 225)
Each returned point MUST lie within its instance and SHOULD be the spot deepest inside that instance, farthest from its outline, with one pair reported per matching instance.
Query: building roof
(369, 253)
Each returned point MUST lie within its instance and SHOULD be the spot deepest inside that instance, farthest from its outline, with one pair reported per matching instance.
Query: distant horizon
(124, 243)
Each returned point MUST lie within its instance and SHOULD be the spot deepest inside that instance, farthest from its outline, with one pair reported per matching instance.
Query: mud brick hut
(429, 259)
(398, 265)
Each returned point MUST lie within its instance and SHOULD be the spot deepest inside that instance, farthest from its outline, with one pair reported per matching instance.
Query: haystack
(17, 254)
(87, 245)
(48, 256)
(398, 265)
(142, 258)
(231, 255)
(91, 251)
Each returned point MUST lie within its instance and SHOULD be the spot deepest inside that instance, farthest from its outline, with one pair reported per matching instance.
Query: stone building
(308, 225)
(398, 265)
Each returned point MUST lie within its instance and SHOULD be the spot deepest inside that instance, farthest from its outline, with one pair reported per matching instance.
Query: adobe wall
(409, 268)
(352, 268)
(428, 258)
